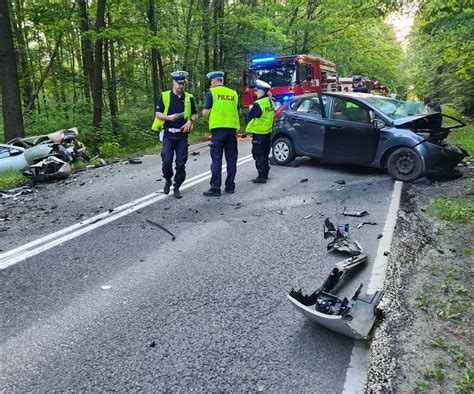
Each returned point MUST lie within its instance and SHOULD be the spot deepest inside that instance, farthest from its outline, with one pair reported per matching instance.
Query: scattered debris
(386, 253)
(51, 168)
(341, 182)
(101, 163)
(135, 161)
(152, 344)
(173, 237)
(304, 180)
(308, 216)
(379, 236)
(13, 193)
(105, 287)
(280, 212)
(360, 225)
(340, 241)
(354, 317)
(355, 213)
(194, 153)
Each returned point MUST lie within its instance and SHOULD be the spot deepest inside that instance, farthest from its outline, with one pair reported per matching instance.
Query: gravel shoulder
(424, 340)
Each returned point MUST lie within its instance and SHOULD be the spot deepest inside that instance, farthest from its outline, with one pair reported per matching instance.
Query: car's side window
(310, 106)
(347, 110)
(4, 152)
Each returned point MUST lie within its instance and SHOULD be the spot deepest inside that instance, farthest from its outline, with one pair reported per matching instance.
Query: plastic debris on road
(353, 318)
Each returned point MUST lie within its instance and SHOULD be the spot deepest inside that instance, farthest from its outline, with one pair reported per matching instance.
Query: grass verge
(11, 179)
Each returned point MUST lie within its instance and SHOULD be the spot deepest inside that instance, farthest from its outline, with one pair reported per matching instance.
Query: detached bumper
(355, 323)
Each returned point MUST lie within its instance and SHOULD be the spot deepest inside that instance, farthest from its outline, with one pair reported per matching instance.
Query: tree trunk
(110, 87)
(45, 73)
(29, 107)
(25, 75)
(205, 34)
(11, 101)
(86, 48)
(97, 86)
(154, 51)
(187, 36)
(215, 34)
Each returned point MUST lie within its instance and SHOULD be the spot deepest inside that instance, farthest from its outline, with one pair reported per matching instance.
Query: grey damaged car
(406, 138)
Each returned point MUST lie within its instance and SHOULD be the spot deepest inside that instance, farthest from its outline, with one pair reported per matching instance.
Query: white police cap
(179, 76)
(262, 85)
(215, 74)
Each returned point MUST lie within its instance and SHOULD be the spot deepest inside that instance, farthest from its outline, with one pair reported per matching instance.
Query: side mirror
(378, 124)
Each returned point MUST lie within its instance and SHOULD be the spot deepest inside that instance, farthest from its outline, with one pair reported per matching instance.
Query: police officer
(358, 85)
(221, 106)
(260, 122)
(175, 112)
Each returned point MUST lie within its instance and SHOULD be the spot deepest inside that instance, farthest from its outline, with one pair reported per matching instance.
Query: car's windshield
(274, 74)
(397, 109)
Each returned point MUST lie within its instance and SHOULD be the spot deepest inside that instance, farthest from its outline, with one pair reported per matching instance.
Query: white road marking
(356, 375)
(47, 242)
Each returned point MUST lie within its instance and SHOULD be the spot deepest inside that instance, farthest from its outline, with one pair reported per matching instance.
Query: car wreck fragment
(43, 157)
(353, 318)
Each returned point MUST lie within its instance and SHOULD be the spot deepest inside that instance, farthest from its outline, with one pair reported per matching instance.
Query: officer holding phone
(175, 113)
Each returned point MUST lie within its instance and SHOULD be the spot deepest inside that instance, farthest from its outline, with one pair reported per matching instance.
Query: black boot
(167, 187)
(212, 193)
(176, 192)
(259, 180)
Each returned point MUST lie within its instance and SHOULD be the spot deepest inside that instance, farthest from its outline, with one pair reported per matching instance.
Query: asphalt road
(123, 307)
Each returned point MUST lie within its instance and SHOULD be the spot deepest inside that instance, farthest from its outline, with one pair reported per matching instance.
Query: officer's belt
(170, 130)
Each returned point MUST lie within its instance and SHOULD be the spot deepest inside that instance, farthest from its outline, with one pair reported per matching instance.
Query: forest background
(100, 65)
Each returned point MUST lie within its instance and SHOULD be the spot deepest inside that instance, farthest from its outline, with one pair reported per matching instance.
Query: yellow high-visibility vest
(263, 124)
(224, 111)
(159, 123)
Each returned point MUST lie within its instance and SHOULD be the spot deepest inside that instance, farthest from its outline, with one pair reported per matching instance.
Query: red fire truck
(288, 75)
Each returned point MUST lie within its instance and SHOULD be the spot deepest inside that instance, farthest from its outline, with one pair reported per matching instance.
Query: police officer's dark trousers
(223, 141)
(174, 143)
(261, 144)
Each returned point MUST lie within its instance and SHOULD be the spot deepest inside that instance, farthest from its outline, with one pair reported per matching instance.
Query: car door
(308, 126)
(350, 136)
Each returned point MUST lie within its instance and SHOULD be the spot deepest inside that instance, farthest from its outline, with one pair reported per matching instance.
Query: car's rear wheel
(404, 164)
(283, 151)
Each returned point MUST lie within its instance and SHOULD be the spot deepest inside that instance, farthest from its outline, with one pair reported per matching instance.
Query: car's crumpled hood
(431, 126)
(429, 121)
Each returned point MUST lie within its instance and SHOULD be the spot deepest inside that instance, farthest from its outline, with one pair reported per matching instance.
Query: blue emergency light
(263, 60)
(286, 98)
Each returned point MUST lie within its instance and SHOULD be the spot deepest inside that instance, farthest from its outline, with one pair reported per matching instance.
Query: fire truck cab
(289, 76)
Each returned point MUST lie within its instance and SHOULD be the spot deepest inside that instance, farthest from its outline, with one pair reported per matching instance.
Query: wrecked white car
(16, 158)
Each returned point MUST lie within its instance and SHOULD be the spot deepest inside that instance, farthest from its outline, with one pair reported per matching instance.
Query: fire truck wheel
(283, 151)
(404, 164)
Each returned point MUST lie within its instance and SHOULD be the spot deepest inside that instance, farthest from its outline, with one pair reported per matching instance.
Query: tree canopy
(100, 64)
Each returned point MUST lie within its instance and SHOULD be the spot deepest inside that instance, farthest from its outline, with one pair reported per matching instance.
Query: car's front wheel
(404, 164)
(283, 151)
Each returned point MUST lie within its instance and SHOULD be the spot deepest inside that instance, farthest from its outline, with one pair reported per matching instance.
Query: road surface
(121, 306)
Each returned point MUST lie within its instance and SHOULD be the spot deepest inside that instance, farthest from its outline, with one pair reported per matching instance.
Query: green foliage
(421, 386)
(11, 179)
(464, 381)
(441, 53)
(439, 341)
(110, 149)
(460, 209)
(459, 355)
